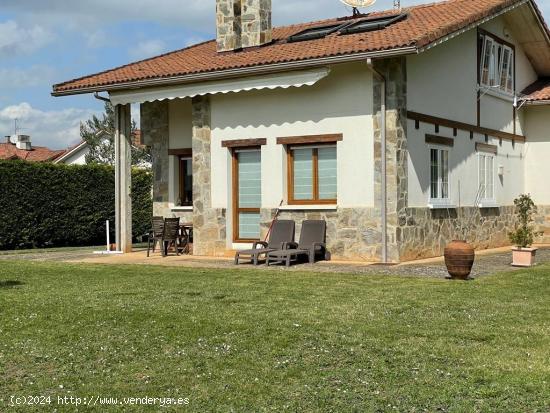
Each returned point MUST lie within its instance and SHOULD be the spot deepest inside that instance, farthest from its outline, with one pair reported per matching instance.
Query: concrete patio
(487, 262)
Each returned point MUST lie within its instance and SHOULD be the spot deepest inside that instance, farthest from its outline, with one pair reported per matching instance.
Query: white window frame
(436, 203)
(485, 201)
(495, 66)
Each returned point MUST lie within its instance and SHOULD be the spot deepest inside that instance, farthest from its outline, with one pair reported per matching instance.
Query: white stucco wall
(537, 153)
(77, 158)
(341, 103)
(180, 137)
(463, 167)
(442, 82)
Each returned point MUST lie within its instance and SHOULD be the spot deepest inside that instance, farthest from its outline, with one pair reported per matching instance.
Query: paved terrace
(487, 262)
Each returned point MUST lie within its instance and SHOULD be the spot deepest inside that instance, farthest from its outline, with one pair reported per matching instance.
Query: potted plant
(524, 234)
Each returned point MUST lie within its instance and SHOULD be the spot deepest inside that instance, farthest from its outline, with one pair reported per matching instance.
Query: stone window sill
(488, 204)
(308, 208)
(433, 205)
(182, 208)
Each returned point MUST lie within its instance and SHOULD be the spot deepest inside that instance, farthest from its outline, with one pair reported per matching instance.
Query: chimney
(23, 142)
(242, 24)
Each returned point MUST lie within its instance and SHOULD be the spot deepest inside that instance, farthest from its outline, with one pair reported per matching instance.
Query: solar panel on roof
(316, 32)
(368, 25)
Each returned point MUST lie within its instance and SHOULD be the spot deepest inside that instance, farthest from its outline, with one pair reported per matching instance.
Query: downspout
(384, 189)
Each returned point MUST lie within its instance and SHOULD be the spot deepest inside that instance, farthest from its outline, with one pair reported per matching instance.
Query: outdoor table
(186, 236)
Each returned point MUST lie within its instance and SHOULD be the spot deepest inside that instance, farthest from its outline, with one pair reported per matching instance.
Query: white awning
(279, 80)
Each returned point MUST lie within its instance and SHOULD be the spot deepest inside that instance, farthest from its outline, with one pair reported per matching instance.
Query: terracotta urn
(523, 257)
(459, 259)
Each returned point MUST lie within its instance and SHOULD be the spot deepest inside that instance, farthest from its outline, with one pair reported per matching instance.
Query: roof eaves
(243, 71)
(434, 39)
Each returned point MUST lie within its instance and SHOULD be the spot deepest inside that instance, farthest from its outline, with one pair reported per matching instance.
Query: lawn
(248, 341)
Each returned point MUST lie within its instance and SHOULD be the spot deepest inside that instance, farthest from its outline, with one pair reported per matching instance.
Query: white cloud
(15, 40)
(38, 75)
(54, 129)
(96, 39)
(147, 48)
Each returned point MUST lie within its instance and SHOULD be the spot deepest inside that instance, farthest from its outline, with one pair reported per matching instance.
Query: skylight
(355, 26)
(315, 32)
(368, 25)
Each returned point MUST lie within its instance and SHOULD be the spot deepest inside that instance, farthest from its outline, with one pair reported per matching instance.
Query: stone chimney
(242, 24)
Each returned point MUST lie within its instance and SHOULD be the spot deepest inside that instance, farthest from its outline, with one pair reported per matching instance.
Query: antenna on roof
(357, 4)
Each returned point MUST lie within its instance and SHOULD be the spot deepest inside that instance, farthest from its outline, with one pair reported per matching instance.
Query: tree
(99, 134)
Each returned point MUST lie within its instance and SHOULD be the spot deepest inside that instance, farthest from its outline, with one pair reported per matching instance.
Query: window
(185, 195)
(312, 176)
(486, 177)
(439, 172)
(247, 194)
(497, 64)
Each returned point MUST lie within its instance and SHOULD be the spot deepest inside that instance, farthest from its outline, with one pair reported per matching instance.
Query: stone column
(395, 72)
(209, 224)
(123, 178)
(155, 133)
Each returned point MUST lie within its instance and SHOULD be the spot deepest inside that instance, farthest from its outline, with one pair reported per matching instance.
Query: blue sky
(43, 42)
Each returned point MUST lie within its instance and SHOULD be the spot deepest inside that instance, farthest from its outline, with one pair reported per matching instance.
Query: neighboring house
(75, 155)
(454, 93)
(20, 147)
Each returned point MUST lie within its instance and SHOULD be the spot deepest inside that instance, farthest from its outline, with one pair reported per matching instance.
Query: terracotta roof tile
(9, 151)
(538, 91)
(424, 24)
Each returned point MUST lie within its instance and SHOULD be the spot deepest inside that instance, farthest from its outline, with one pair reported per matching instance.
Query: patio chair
(171, 235)
(312, 242)
(281, 233)
(155, 234)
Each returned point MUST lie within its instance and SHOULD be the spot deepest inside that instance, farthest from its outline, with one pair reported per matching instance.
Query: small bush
(524, 234)
(47, 205)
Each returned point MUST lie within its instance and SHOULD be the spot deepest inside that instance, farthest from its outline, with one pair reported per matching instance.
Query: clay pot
(459, 259)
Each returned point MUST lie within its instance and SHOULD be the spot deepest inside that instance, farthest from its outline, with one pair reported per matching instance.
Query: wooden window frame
(235, 194)
(290, 175)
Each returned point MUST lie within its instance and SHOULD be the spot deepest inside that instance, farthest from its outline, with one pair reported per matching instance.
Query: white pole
(108, 236)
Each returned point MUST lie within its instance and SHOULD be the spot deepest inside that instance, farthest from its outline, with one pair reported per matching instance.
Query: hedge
(49, 205)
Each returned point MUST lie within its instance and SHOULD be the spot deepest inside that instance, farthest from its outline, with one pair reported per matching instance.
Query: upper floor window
(497, 64)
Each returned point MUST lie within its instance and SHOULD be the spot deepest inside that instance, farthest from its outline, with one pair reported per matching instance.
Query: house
(75, 155)
(20, 147)
(403, 129)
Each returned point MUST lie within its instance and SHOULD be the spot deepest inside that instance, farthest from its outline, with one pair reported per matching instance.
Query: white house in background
(400, 128)
(75, 155)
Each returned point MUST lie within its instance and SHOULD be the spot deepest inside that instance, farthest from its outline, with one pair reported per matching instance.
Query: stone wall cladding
(209, 224)
(424, 232)
(352, 233)
(228, 24)
(395, 74)
(542, 222)
(255, 23)
(154, 130)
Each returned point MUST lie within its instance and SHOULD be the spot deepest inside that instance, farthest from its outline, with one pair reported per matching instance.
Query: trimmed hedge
(49, 205)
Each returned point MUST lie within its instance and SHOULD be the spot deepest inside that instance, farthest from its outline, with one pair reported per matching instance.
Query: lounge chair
(312, 242)
(171, 235)
(282, 232)
(156, 233)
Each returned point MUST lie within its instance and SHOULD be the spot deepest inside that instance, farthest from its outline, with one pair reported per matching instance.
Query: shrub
(47, 205)
(524, 234)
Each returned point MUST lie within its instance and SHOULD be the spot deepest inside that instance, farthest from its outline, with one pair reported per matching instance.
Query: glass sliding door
(247, 197)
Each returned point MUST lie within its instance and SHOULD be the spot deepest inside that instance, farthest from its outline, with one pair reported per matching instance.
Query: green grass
(249, 341)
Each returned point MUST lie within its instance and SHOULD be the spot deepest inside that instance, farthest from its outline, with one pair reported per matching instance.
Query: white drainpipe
(384, 188)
